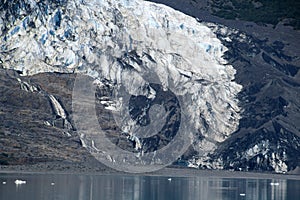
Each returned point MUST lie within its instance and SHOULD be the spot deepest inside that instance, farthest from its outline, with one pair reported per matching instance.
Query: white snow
(263, 148)
(26, 86)
(152, 93)
(57, 107)
(47, 123)
(94, 147)
(83, 141)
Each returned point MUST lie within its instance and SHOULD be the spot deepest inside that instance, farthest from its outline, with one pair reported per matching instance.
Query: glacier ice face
(131, 43)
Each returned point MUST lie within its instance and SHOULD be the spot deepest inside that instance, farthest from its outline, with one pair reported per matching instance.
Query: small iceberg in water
(19, 182)
(274, 184)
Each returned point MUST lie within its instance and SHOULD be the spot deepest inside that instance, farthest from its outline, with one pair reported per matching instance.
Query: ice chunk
(274, 183)
(20, 182)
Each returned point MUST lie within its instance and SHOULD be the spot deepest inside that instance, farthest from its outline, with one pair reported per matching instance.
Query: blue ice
(44, 38)
(57, 20)
(16, 29)
(25, 22)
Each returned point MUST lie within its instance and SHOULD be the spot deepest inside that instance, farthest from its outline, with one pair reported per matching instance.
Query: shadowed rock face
(31, 131)
(269, 127)
(268, 137)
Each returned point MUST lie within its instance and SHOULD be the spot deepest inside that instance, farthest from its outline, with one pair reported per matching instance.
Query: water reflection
(120, 187)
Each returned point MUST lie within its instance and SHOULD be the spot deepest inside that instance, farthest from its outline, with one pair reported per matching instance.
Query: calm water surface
(130, 187)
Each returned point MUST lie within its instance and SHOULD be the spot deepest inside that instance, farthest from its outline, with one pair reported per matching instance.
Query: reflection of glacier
(121, 42)
(129, 187)
(218, 188)
(203, 188)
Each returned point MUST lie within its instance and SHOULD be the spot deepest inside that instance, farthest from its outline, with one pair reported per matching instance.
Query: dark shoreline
(165, 172)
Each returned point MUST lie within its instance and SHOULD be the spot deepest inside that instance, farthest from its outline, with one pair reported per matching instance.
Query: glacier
(126, 42)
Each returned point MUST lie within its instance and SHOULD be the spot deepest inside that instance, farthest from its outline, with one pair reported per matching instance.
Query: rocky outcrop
(31, 130)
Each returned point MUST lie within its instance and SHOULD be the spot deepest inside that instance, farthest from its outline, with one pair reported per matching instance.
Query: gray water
(131, 187)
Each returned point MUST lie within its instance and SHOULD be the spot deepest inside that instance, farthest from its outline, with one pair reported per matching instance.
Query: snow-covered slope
(130, 43)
